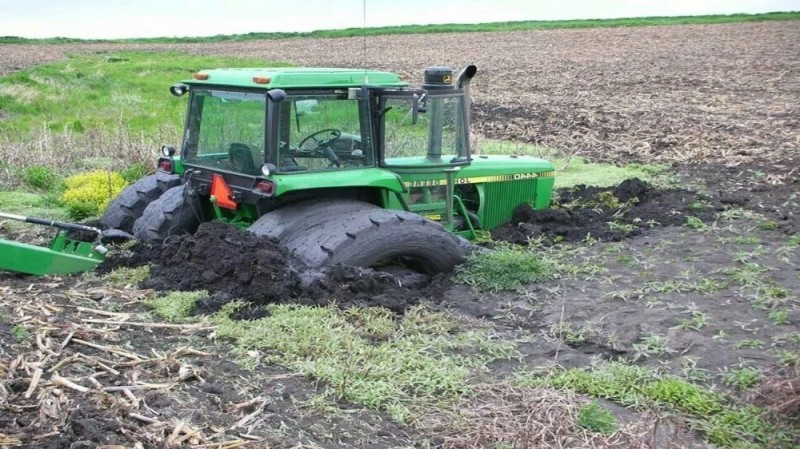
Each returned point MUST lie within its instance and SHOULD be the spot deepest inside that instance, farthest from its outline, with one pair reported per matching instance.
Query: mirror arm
(414, 109)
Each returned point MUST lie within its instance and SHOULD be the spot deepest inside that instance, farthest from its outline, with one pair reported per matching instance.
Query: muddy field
(700, 282)
(85, 361)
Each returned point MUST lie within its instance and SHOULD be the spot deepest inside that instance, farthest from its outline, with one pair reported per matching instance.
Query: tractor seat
(242, 158)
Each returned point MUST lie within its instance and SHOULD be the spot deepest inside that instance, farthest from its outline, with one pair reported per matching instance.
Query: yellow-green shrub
(88, 194)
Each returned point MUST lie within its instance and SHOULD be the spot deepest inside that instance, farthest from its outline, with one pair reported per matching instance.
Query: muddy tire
(173, 213)
(129, 205)
(330, 232)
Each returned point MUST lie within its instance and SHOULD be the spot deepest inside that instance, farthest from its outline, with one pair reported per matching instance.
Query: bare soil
(719, 103)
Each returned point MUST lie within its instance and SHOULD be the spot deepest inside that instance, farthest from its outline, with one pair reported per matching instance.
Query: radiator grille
(501, 198)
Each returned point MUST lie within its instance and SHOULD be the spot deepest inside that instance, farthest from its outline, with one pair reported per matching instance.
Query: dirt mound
(607, 214)
(234, 264)
(227, 261)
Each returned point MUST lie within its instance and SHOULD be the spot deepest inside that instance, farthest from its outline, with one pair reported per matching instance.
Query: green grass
(506, 268)
(175, 306)
(440, 28)
(722, 422)
(31, 204)
(95, 111)
(92, 92)
(398, 364)
(572, 171)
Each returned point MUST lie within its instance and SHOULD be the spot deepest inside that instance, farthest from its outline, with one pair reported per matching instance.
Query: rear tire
(173, 213)
(330, 232)
(129, 205)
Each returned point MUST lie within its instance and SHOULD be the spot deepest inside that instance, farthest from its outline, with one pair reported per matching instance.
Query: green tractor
(341, 165)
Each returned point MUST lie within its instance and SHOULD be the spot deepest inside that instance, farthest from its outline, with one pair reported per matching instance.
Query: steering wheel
(320, 139)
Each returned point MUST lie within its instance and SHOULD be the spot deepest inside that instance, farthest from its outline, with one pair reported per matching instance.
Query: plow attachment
(65, 255)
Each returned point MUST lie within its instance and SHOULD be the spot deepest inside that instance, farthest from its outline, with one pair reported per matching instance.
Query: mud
(231, 263)
(607, 214)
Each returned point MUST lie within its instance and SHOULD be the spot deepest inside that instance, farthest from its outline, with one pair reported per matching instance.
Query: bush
(135, 172)
(88, 194)
(504, 269)
(40, 177)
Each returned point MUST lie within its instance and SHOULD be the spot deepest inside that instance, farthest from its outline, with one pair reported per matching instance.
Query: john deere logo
(447, 79)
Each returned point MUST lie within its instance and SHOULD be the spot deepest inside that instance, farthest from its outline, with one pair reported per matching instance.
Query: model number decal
(480, 179)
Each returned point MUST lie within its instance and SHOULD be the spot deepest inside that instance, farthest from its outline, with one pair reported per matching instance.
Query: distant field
(685, 93)
(436, 28)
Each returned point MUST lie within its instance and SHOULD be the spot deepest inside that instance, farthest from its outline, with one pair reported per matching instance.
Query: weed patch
(20, 333)
(722, 422)
(414, 365)
(41, 178)
(597, 418)
(128, 277)
(506, 268)
(175, 306)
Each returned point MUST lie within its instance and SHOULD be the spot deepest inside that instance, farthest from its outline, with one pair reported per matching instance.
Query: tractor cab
(423, 136)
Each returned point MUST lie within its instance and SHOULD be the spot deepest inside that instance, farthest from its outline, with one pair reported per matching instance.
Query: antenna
(364, 28)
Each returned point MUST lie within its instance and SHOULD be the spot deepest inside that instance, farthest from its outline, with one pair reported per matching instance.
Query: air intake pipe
(462, 127)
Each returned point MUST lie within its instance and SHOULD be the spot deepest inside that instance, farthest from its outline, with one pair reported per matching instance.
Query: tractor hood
(489, 165)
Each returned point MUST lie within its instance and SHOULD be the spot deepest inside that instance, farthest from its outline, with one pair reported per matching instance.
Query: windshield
(437, 137)
(320, 132)
(226, 131)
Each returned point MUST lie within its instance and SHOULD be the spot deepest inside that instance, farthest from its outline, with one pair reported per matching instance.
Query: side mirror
(179, 89)
(276, 95)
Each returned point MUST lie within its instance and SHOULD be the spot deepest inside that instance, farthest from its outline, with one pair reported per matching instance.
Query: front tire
(173, 213)
(129, 205)
(330, 232)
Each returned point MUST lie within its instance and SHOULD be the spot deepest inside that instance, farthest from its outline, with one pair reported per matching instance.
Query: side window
(435, 137)
(403, 137)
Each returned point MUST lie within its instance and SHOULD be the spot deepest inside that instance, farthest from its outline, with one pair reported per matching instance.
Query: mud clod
(606, 213)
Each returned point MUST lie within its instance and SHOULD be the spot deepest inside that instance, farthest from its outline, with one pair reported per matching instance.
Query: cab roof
(295, 78)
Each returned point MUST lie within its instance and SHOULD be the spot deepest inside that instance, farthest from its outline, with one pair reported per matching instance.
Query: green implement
(65, 255)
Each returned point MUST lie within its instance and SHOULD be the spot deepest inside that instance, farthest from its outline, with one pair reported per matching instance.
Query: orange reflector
(261, 79)
(201, 76)
(222, 193)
